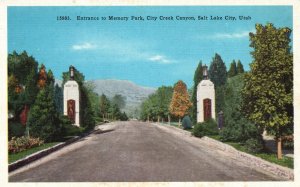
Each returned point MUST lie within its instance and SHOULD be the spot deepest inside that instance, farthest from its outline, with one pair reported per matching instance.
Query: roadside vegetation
(35, 106)
(251, 102)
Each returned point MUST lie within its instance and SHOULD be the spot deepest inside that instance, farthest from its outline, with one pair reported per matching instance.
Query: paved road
(137, 151)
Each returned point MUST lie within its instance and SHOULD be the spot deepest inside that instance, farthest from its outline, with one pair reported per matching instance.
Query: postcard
(144, 93)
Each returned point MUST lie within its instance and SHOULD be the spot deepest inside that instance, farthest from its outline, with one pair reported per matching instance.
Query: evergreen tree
(240, 67)
(217, 74)
(58, 99)
(31, 89)
(268, 90)
(232, 70)
(180, 102)
(198, 76)
(43, 121)
(104, 105)
(217, 71)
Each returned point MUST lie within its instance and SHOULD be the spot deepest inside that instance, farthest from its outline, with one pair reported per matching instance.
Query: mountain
(134, 93)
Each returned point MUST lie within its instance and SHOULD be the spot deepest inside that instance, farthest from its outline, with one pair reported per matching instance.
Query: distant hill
(134, 93)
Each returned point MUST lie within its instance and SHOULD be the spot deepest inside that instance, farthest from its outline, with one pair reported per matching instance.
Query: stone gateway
(205, 98)
(71, 99)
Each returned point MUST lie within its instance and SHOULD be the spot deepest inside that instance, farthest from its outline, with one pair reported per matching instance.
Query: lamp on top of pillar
(71, 70)
(205, 73)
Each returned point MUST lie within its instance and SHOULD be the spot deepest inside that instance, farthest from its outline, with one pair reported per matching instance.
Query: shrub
(16, 145)
(186, 122)
(206, 128)
(67, 129)
(254, 145)
(240, 131)
(15, 129)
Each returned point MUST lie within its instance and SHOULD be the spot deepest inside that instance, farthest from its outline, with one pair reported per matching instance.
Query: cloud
(123, 50)
(160, 59)
(84, 46)
(235, 35)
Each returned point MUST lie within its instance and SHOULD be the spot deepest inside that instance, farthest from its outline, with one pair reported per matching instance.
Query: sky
(149, 53)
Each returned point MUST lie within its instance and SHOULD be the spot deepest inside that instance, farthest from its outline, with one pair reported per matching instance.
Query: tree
(104, 104)
(43, 120)
(240, 67)
(42, 77)
(156, 106)
(180, 102)
(217, 71)
(217, 74)
(119, 100)
(236, 127)
(232, 70)
(198, 76)
(58, 99)
(31, 89)
(268, 90)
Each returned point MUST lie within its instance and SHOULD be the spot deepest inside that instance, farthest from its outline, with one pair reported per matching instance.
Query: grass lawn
(16, 156)
(271, 157)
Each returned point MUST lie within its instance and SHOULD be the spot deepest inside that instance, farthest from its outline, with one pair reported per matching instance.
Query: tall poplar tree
(268, 90)
(180, 102)
(240, 67)
(218, 75)
(232, 70)
(217, 71)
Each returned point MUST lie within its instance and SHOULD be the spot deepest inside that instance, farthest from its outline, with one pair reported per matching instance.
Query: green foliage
(206, 128)
(236, 128)
(218, 75)
(59, 99)
(67, 129)
(21, 65)
(186, 122)
(217, 71)
(232, 70)
(15, 129)
(198, 76)
(43, 120)
(22, 73)
(104, 105)
(240, 67)
(268, 90)
(17, 156)
(119, 100)
(220, 101)
(123, 117)
(254, 145)
(16, 145)
(31, 88)
(157, 104)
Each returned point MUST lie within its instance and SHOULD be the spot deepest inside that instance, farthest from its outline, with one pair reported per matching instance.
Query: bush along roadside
(206, 128)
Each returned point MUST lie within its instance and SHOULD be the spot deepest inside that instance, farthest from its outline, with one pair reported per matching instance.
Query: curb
(35, 156)
(250, 160)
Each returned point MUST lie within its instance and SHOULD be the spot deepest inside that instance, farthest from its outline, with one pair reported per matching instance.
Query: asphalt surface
(136, 152)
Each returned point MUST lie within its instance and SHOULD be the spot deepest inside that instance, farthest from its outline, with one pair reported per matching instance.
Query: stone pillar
(71, 100)
(205, 98)
(205, 101)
